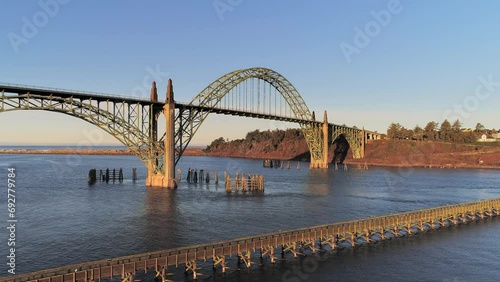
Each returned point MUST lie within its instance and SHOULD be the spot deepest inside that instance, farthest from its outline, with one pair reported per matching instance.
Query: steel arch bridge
(254, 92)
(217, 96)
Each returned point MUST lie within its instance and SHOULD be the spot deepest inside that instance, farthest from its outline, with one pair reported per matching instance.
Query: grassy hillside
(290, 144)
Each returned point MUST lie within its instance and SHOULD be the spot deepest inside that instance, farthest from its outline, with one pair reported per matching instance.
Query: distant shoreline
(125, 152)
(199, 152)
(66, 152)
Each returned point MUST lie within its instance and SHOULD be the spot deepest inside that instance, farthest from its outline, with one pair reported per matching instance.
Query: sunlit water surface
(62, 220)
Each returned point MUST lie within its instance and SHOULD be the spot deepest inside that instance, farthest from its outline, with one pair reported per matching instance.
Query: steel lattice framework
(128, 120)
(353, 137)
(211, 99)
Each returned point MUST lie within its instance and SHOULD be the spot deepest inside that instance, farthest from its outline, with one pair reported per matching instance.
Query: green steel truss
(353, 136)
(189, 121)
(129, 122)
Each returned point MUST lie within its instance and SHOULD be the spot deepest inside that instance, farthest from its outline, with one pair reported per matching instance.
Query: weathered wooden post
(134, 174)
(201, 175)
(188, 178)
(92, 176)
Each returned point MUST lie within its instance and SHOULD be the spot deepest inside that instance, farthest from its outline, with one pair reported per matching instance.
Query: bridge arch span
(212, 96)
(353, 136)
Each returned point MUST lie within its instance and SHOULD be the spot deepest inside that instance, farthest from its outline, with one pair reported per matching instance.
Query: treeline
(434, 131)
(268, 140)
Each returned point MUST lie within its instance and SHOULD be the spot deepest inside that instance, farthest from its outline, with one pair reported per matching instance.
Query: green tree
(394, 131)
(418, 133)
(457, 125)
(430, 130)
(479, 127)
(445, 130)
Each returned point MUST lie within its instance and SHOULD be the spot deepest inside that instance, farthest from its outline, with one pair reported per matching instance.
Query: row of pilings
(195, 176)
(278, 164)
(248, 182)
(108, 175)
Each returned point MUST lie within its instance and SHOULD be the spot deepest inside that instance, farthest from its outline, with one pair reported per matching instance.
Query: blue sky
(420, 65)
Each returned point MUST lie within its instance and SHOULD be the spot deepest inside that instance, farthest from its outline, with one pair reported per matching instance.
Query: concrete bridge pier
(165, 178)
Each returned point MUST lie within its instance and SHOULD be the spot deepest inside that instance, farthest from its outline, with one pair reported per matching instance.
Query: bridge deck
(350, 232)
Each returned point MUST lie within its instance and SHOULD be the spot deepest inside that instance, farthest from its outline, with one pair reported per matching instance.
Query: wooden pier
(289, 242)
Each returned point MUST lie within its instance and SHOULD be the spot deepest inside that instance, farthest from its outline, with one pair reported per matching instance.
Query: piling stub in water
(92, 176)
(134, 174)
(107, 175)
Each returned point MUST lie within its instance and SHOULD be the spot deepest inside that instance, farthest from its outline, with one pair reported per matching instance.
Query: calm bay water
(61, 220)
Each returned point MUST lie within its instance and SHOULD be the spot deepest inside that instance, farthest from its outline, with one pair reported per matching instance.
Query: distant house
(485, 138)
(496, 135)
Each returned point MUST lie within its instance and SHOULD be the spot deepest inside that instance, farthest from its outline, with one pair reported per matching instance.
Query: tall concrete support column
(325, 141)
(169, 112)
(363, 142)
(153, 137)
(165, 178)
